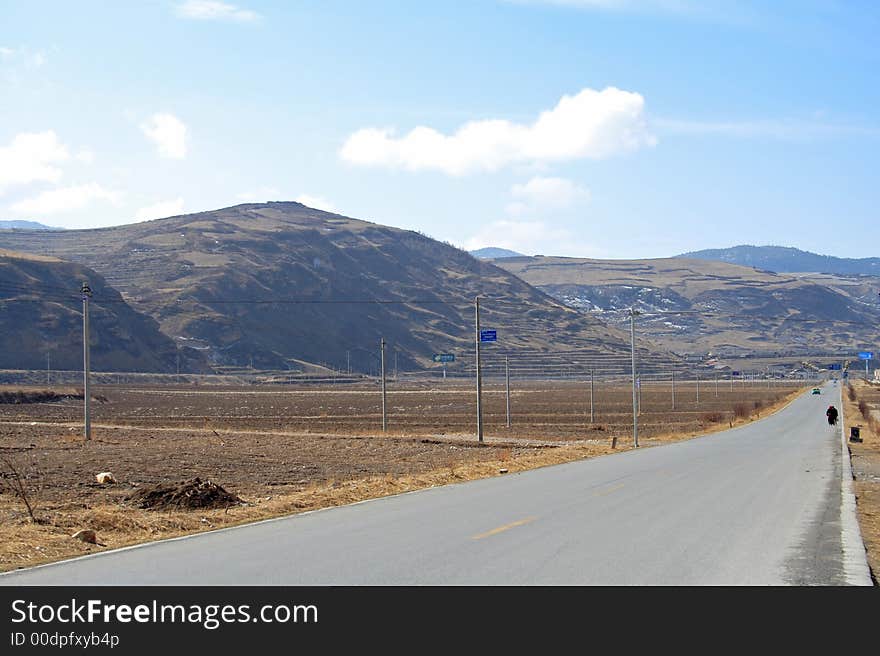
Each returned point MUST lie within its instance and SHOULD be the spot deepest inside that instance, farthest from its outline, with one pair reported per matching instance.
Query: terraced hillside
(280, 285)
(698, 306)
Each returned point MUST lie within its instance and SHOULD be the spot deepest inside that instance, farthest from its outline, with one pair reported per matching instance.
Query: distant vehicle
(816, 390)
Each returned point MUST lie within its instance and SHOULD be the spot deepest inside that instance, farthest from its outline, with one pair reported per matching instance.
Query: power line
(47, 293)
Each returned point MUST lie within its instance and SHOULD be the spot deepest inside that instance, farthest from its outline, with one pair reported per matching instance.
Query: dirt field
(288, 450)
(866, 465)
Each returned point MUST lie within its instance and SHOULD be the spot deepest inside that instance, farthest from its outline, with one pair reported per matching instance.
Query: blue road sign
(444, 357)
(488, 336)
(834, 367)
(866, 355)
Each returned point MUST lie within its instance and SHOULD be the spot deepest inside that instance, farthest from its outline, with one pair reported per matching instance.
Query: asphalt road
(759, 504)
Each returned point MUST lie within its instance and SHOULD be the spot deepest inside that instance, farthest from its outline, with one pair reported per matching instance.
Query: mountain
(492, 253)
(41, 311)
(279, 285)
(25, 225)
(781, 259)
(725, 309)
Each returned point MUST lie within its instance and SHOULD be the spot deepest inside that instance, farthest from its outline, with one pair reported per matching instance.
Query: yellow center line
(506, 527)
(609, 490)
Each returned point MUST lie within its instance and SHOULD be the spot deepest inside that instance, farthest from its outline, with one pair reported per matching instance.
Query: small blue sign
(866, 355)
(488, 336)
(444, 357)
(834, 367)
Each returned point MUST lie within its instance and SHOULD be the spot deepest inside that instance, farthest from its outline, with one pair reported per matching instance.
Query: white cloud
(542, 194)
(591, 124)
(214, 10)
(316, 202)
(160, 210)
(85, 156)
(169, 134)
(32, 157)
(521, 236)
(66, 199)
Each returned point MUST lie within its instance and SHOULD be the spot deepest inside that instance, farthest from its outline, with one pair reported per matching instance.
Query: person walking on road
(831, 413)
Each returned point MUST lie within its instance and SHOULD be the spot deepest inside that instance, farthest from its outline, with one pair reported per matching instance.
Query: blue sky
(597, 128)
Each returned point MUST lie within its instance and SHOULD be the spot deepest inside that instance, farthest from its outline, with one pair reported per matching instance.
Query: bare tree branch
(17, 485)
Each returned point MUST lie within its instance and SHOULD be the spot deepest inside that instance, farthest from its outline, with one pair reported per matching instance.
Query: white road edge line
(855, 560)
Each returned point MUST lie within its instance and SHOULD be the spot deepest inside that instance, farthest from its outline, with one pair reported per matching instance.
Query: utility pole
(673, 388)
(384, 415)
(348, 361)
(698, 388)
(592, 416)
(48, 353)
(396, 370)
(479, 371)
(507, 382)
(86, 292)
(632, 335)
(639, 387)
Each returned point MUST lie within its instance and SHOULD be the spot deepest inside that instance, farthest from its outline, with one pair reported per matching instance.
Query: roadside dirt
(279, 463)
(865, 457)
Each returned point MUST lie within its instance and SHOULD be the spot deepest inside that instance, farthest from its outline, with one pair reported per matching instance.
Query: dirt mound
(191, 494)
(21, 396)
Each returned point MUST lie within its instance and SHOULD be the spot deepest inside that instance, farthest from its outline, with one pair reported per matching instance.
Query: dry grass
(858, 408)
(24, 544)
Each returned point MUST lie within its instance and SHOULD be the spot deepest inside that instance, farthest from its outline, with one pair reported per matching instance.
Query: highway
(756, 505)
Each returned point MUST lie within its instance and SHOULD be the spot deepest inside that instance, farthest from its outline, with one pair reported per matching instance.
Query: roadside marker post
(444, 358)
(866, 356)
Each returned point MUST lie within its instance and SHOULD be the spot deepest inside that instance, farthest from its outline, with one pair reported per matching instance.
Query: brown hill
(725, 308)
(279, 284)
(41, 312)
